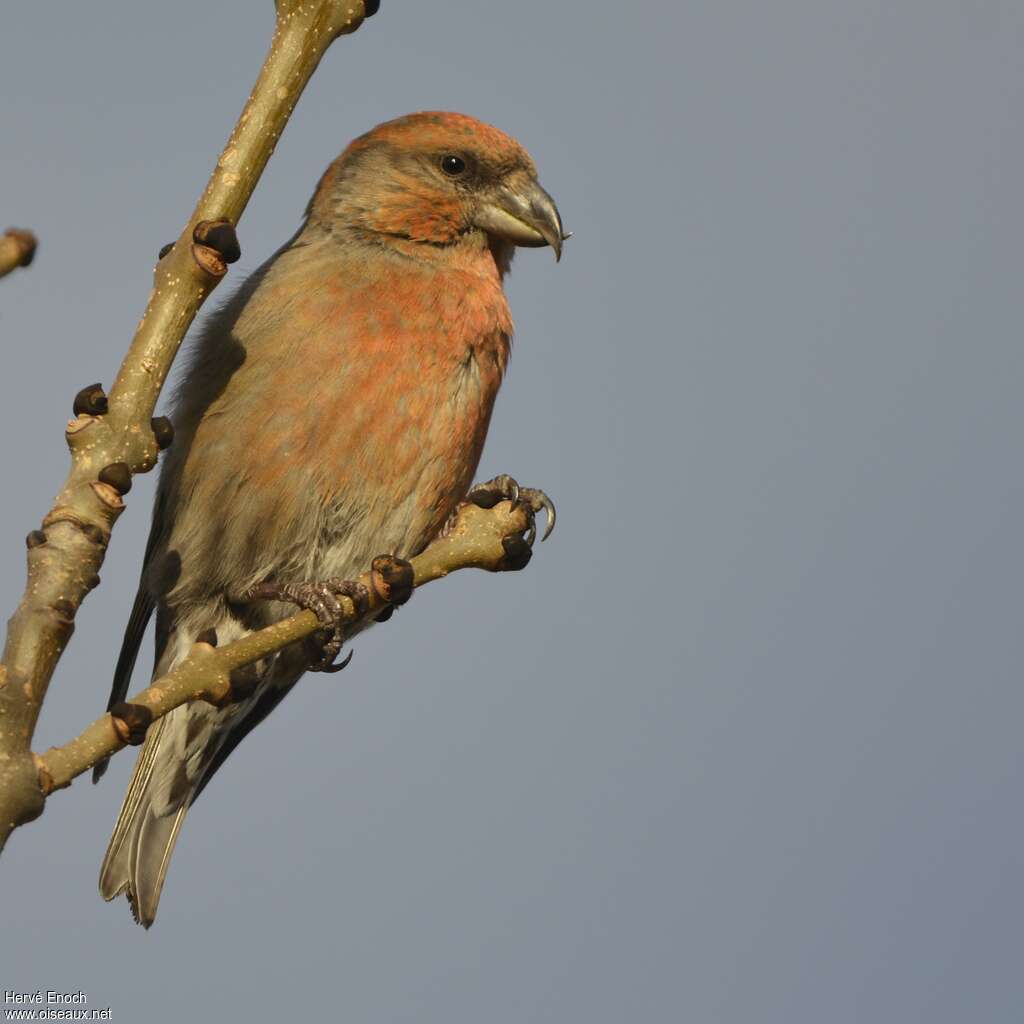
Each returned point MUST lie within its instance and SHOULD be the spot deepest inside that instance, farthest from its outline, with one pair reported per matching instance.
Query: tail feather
(140, 848)
(182, 750)
(153, 844)
(114, 863)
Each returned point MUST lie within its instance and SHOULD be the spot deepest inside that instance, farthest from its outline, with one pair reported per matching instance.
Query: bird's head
(438, 179)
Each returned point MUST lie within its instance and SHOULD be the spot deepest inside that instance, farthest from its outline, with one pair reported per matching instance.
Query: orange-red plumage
(335, 408)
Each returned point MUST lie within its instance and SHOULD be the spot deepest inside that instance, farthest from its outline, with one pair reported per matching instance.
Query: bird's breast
(330, 414)
(387, 392)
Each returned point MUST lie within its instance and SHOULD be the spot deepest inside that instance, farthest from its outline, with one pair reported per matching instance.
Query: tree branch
(17, 249)
(111, 440)
(490, 539)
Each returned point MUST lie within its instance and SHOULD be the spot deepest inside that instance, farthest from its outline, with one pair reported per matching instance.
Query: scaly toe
(501, 488)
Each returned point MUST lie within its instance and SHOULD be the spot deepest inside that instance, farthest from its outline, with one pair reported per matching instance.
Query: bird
(334, 407)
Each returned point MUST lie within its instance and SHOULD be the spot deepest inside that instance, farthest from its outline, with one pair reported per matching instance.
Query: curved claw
(505, 487)
(538, 501)
(549, 512)
(321, 599)
(331, 669)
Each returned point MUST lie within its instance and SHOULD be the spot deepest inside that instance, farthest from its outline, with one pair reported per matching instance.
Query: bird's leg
(321, 598)
(505, 488)
(392, 579)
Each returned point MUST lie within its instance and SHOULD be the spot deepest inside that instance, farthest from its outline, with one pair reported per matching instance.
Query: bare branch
(110, 441)
(479, 538)
(17, 249)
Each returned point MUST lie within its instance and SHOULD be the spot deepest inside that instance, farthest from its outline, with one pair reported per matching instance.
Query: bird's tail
(144, 836)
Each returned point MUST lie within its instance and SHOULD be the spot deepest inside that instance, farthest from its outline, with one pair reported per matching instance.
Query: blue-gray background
(743, 743)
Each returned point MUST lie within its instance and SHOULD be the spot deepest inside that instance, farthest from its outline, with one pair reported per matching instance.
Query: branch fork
(111, 439)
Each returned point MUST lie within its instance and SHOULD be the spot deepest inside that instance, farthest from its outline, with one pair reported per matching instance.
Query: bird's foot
(322, 599)
(505, 488)
(392, 580)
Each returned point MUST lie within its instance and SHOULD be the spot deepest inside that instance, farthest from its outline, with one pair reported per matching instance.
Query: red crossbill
(334, 408)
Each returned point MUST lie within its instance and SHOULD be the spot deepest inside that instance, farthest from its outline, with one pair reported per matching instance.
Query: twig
(111, 440)
(479, 538)
(17, 249)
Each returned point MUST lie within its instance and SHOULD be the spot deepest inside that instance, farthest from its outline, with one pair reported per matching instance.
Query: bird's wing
(142, 611)
(181, 752)
(240, 728)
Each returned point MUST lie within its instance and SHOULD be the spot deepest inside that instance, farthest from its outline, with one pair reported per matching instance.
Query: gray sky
(743, 743)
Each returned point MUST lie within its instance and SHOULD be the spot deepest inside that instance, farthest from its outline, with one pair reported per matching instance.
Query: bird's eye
(452, 165)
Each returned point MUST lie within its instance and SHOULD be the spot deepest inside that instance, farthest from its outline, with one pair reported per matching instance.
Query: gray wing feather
(142, 612)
